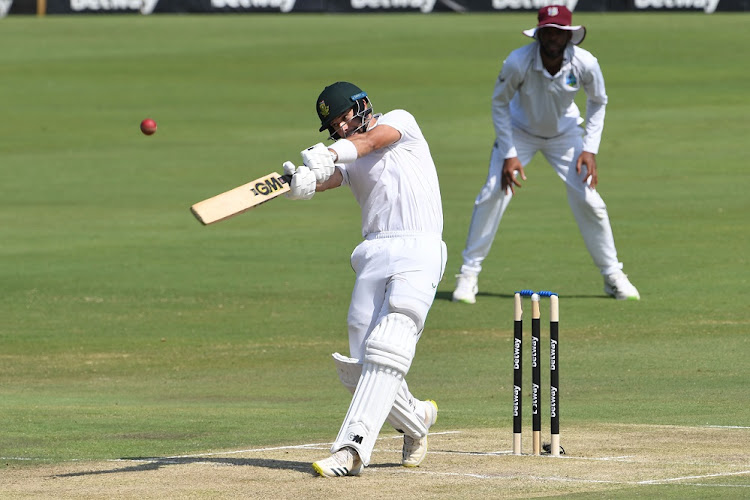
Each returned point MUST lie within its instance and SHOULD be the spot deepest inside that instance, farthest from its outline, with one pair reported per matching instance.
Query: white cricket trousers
(588, 208)
(396, 272)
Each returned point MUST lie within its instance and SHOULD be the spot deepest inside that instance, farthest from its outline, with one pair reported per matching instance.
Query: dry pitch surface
(461, 464)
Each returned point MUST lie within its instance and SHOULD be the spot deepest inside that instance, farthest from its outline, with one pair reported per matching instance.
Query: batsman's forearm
(374, 139)
(333, 181)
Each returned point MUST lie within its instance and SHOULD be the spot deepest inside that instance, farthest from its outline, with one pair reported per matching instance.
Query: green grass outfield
(128, 330)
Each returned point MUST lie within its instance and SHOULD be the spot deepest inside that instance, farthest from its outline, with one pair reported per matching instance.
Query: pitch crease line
(572, 479)
(288, 447)
(510, 476)
(703, 476)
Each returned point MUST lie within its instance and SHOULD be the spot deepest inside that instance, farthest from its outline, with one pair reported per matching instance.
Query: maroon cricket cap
(557, 16)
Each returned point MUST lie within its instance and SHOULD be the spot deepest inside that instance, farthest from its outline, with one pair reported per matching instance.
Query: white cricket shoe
(345, 462)
(619, 286)
(466, 288)
(414, 449)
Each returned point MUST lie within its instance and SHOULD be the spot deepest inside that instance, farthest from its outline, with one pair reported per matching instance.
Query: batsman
(386, 162)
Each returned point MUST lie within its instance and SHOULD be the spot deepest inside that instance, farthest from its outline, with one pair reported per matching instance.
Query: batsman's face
(346, 124)
(553, 41)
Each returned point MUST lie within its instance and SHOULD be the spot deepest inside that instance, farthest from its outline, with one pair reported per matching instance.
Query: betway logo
(5, 7)
(708, 6)
(553, 355)
(148, 6)
(553, 402)
(282, 5)
(422, 5)
(78, 5)
(531, 4)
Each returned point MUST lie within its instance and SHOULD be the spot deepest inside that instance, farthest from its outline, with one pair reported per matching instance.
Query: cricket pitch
(461, 464)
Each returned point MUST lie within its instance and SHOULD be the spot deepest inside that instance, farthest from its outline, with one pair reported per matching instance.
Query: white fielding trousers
(588, 208)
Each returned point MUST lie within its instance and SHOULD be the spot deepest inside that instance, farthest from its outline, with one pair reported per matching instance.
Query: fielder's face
(553, 41)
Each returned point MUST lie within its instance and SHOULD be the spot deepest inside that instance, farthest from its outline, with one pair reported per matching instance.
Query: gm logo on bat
(269, 186)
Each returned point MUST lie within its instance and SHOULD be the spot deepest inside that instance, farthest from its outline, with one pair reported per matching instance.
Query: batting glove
(318, 159)
(302, 185)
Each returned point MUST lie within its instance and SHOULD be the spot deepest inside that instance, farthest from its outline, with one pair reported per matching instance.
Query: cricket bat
(241, 199)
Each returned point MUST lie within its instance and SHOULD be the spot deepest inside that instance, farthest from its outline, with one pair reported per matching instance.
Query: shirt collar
(567, 57)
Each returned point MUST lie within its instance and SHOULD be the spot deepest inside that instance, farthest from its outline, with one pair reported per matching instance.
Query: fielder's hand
(588, 159)
(302, 184)
(320, 161)
(512, 168)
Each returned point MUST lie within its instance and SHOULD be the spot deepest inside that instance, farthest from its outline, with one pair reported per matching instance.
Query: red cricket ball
(148, 126)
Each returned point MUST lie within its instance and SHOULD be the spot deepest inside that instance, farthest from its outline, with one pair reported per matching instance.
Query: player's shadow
(448, 296)
(155, 463)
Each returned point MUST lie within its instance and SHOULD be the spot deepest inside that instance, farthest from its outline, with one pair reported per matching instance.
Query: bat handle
(287, 178)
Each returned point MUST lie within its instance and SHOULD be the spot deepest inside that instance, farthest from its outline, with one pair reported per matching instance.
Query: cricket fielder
(533, 110)
(386, 162)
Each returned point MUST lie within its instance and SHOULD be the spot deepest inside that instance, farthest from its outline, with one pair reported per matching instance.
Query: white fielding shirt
(397, 186)
(526, 96)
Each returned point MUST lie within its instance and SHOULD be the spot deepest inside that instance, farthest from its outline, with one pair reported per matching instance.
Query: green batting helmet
(335, 100)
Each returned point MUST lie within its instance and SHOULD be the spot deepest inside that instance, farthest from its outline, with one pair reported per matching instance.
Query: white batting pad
(389, 352)
(403, 416)
(392, 343)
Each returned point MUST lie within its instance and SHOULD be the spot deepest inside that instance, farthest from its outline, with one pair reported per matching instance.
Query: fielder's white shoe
(619, 286)
(466, 288)
(414, 449)
(345, 462)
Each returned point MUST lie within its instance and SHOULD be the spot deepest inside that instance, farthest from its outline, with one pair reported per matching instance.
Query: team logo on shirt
(570, 80)
(324, 109)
